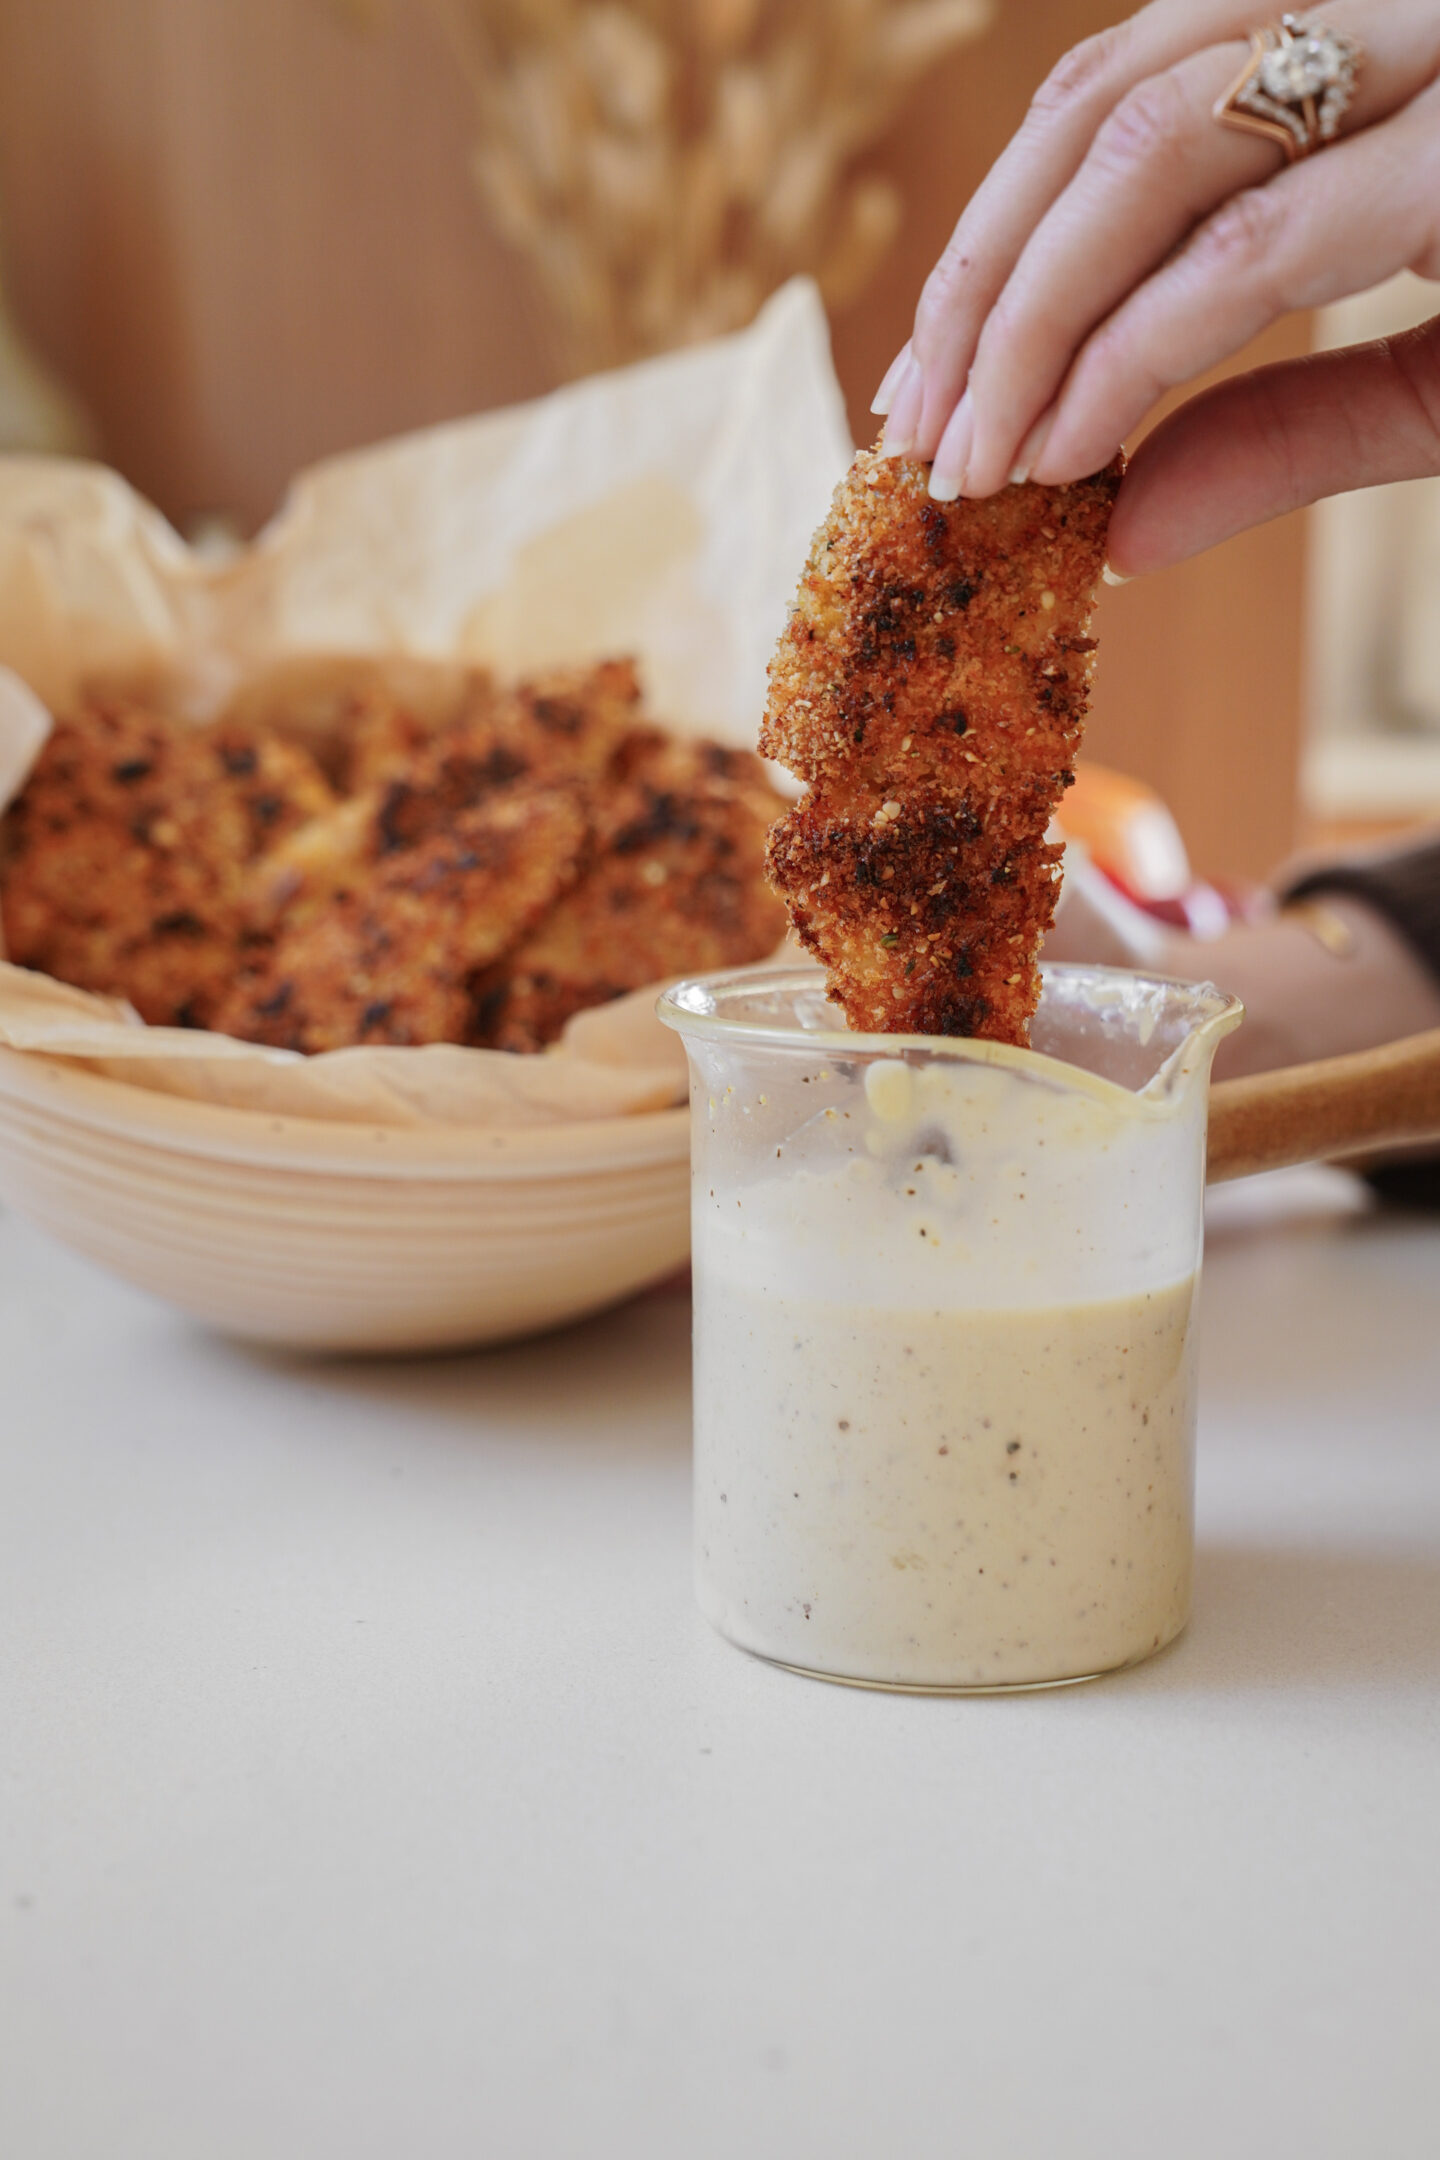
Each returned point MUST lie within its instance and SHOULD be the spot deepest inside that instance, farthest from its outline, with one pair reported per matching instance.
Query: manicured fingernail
(904, 413)
(1115, 577)
(1030, 450)
(880, 403)
(952, 454)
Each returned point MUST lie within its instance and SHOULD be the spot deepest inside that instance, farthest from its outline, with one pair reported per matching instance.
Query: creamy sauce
(945, 1369)
(970, 1497)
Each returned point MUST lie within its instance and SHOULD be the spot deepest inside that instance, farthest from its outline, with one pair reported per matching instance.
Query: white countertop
(369, 1785)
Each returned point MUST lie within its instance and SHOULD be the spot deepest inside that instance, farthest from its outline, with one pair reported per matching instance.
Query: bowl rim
(264, 1139)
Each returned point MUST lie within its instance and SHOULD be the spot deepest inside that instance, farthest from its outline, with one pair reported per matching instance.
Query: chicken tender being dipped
(929, 689)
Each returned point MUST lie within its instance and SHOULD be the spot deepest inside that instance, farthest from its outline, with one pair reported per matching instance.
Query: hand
(1318, 981)
(1126, 241)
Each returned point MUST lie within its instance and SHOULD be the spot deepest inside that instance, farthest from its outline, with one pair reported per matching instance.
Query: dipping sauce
(945, 1295)
(944, 1498)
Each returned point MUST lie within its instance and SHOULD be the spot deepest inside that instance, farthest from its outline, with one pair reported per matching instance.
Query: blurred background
(236, 235)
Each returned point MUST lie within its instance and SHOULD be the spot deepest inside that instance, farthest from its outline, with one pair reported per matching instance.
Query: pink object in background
(1132, 839)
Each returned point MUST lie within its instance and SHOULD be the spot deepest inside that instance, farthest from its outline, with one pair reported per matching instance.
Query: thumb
(1260, 444)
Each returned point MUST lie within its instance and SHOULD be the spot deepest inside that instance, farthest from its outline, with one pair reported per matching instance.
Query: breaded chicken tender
(929, 688)
(565, 728)
(568, 728)
(676, 884)
(390, 962)
(127, 854)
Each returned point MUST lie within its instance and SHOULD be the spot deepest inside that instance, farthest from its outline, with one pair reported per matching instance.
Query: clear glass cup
(945, 1297)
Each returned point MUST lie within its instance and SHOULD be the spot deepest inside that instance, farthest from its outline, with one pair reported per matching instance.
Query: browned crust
(676, 884)
(569, 728)
(539, 852)
(930, 688)
(390, 961)
(128, 853)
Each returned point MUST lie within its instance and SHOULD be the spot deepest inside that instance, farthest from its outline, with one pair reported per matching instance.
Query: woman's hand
(1126, 241)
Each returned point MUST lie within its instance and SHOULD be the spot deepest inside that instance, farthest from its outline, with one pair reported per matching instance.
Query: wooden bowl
(329, 1236)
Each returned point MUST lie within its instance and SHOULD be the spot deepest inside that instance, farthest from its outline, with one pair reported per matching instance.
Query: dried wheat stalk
(665, 164)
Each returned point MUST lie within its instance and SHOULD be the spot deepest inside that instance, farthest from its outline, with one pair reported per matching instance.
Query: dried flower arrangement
(665, 164)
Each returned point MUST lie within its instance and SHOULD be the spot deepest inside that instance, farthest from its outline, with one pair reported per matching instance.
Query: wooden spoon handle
(1388, 1097)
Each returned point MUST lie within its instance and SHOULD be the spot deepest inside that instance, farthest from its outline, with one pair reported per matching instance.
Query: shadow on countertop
(1273, 1618)
(619, 1382)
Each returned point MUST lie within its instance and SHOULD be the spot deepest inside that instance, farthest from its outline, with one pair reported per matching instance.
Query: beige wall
(247, 236)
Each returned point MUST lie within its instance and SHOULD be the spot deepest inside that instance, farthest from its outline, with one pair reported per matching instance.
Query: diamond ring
(1295, 87)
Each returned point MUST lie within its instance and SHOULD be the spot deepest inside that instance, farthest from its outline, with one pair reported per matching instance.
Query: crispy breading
(317, 865)
(278, 784)
(563, 728)
(382, 734)
(571, 727)
(382, 739)
(676, 884)
(389, 962)
(572, 723)
(330, 702)
(929, 688)
(214, 878)
(128, 850)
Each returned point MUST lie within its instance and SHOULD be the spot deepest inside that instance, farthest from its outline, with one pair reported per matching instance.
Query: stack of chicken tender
(544, 849)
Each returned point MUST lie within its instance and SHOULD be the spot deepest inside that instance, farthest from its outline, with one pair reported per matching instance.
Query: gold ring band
(1296, 86)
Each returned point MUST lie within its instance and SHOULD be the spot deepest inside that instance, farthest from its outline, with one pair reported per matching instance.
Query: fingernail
(904, 417)
(1030, 449)
(1115, 577)
(952, 454)
(880, 403)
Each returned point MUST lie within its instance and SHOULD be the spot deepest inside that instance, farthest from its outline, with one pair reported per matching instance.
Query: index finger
(1033, 170)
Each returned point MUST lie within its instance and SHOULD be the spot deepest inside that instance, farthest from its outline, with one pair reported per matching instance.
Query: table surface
(369, 1785)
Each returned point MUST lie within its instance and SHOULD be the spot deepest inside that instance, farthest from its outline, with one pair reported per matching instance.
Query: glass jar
(945, 1299)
